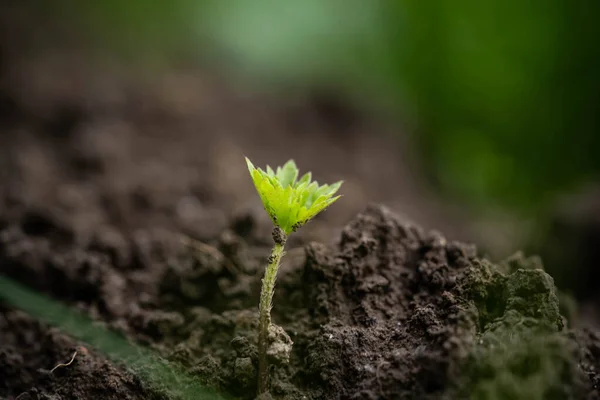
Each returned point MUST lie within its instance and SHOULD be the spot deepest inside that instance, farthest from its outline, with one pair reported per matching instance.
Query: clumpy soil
(132, 204)
(29, 352)
(387, 312)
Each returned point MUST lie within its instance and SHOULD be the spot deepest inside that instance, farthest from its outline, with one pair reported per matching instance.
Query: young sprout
(291, 203)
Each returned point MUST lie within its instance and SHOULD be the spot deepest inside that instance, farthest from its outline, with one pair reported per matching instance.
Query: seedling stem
(266, 303)
(291, 203)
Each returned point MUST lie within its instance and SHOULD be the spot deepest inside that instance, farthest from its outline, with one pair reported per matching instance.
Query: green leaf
(291, 202)
(305, 179)
(288, 174)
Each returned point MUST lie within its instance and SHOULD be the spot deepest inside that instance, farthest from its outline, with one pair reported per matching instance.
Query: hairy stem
(266, 298)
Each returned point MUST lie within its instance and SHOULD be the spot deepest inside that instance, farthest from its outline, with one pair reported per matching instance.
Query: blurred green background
(503, 96)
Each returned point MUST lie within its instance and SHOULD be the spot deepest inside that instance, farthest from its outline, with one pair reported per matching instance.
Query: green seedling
(291, 203)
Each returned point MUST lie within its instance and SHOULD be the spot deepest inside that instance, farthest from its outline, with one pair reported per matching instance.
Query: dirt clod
(279, 345)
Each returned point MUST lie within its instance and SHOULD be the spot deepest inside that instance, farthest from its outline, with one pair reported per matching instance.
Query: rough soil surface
(132, 204)
(389, 312)
(29, 351)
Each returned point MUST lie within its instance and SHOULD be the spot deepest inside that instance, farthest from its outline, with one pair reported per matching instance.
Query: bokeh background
(478, 119)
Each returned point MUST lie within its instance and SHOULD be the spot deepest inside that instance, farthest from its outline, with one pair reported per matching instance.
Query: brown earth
(30, 350)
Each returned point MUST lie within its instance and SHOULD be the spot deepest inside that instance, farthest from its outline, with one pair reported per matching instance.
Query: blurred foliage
(137, 28)
(504, 95)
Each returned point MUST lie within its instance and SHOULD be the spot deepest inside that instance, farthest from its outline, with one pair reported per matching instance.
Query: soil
(30, 350)
(130, 202)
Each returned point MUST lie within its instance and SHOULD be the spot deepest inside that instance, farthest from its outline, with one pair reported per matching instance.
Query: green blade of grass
(157, 372)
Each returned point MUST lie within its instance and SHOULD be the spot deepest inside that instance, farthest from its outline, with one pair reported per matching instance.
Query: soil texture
(40, 363)
(388, 312)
